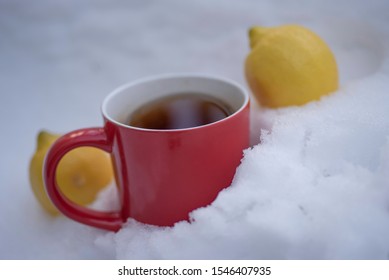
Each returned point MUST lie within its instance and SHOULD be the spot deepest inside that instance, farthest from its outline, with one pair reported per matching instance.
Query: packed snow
(313, 185)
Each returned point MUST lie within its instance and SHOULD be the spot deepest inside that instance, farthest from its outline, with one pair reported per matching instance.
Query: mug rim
(147, 79)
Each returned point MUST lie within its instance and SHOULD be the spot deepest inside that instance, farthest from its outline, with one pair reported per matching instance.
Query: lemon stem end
(45, 139)
(255, 34)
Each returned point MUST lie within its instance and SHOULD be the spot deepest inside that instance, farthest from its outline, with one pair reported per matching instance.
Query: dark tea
(182, 110)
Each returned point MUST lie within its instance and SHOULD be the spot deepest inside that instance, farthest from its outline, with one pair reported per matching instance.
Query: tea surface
(178, 111)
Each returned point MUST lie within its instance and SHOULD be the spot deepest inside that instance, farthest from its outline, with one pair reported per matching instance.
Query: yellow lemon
(289, 65)
(81, 173)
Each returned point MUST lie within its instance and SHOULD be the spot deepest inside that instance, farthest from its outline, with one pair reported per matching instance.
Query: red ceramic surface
(162, 175)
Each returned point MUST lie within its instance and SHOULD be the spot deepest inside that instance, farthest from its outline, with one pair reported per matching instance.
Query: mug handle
(94, 137)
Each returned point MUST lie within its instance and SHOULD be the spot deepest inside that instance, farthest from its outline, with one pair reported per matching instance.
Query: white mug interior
(118, 106)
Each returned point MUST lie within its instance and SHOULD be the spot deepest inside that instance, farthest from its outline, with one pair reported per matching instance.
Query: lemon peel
(289, 65)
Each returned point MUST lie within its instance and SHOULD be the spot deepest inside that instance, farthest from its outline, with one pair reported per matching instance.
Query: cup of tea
(175, 142)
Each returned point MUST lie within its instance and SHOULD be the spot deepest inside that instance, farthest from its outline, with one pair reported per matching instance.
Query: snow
(317, 185)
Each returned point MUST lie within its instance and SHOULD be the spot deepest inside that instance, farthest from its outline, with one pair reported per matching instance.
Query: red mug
(161, 175)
